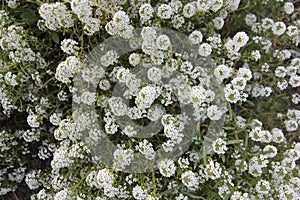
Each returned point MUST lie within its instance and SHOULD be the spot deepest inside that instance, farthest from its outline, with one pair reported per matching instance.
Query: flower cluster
(209, 111)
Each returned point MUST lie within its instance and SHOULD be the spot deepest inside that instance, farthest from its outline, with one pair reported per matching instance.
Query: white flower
(63, 194)
(296, 98)
(164, 11)
(56, 16)
(214, 112)
(134, 59)
(10, 79)
(138, 193)
(293, 114)
(146, 96)
(33, 121)
(203, 5)
(91, 26)
(109, 58)
(250, 19)
(270, 151)
(120, 19)
(123, 75)
(146, 11)
(216, 5)
(291, 70)
(294, 81)
(55, 119)
(219, 146)
(291, 125)
(117, 106)
(205, 49)
(190, 180)
(279, 28)
(239, 83)
(255, 55)
(181, 197)
(289, 7)
(163, 42)
(122, 158)
(65, 129)
(69, 46)
(240, 122)
(178, 21)
(12, 3)
(32, 179)
(189, 10)
(154, 74)
(292, 30)
(282, 85)
(167, 167)
(183, 163)
(104, 178)
(263, 186)
(148, 34)
(88, 98)
(280, 72)
(288, 163)
(129, 131)
(240, 196)
(232, 47)
(267, 23)
(146, 148)
(279, 172)
(213, 170)
(245, 73)
(240, 39)
(67, 69)
(232, 95)
(186, 67)
(155, 112)
(222, 72)
(196, 37)
(233, 5)
(82, 8)
(104, 84)
(241, 165)
(255, 134)
(218, 23)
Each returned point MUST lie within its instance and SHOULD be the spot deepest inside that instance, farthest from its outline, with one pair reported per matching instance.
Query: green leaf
(223, 158)
(55, 37)
(29, 16)
(233, 142)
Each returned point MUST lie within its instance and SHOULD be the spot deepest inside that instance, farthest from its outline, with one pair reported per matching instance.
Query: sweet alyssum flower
(219, 146)
(189, 10)
(56, 15)
(240, 39)
(279, 28)
(164, 84)
(70, 47)
(167, 168)
(164, 11)
(250, 19)
(190, 180)
(196, 37)
(139, 193)
(205, 49)
(146, 11)
(289, 7)
(222, 72)
(263, 187)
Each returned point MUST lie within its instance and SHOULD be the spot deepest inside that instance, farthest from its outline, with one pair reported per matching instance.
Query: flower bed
(127, 99)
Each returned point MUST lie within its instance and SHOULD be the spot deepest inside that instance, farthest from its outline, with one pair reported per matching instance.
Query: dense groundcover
(149, 99)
